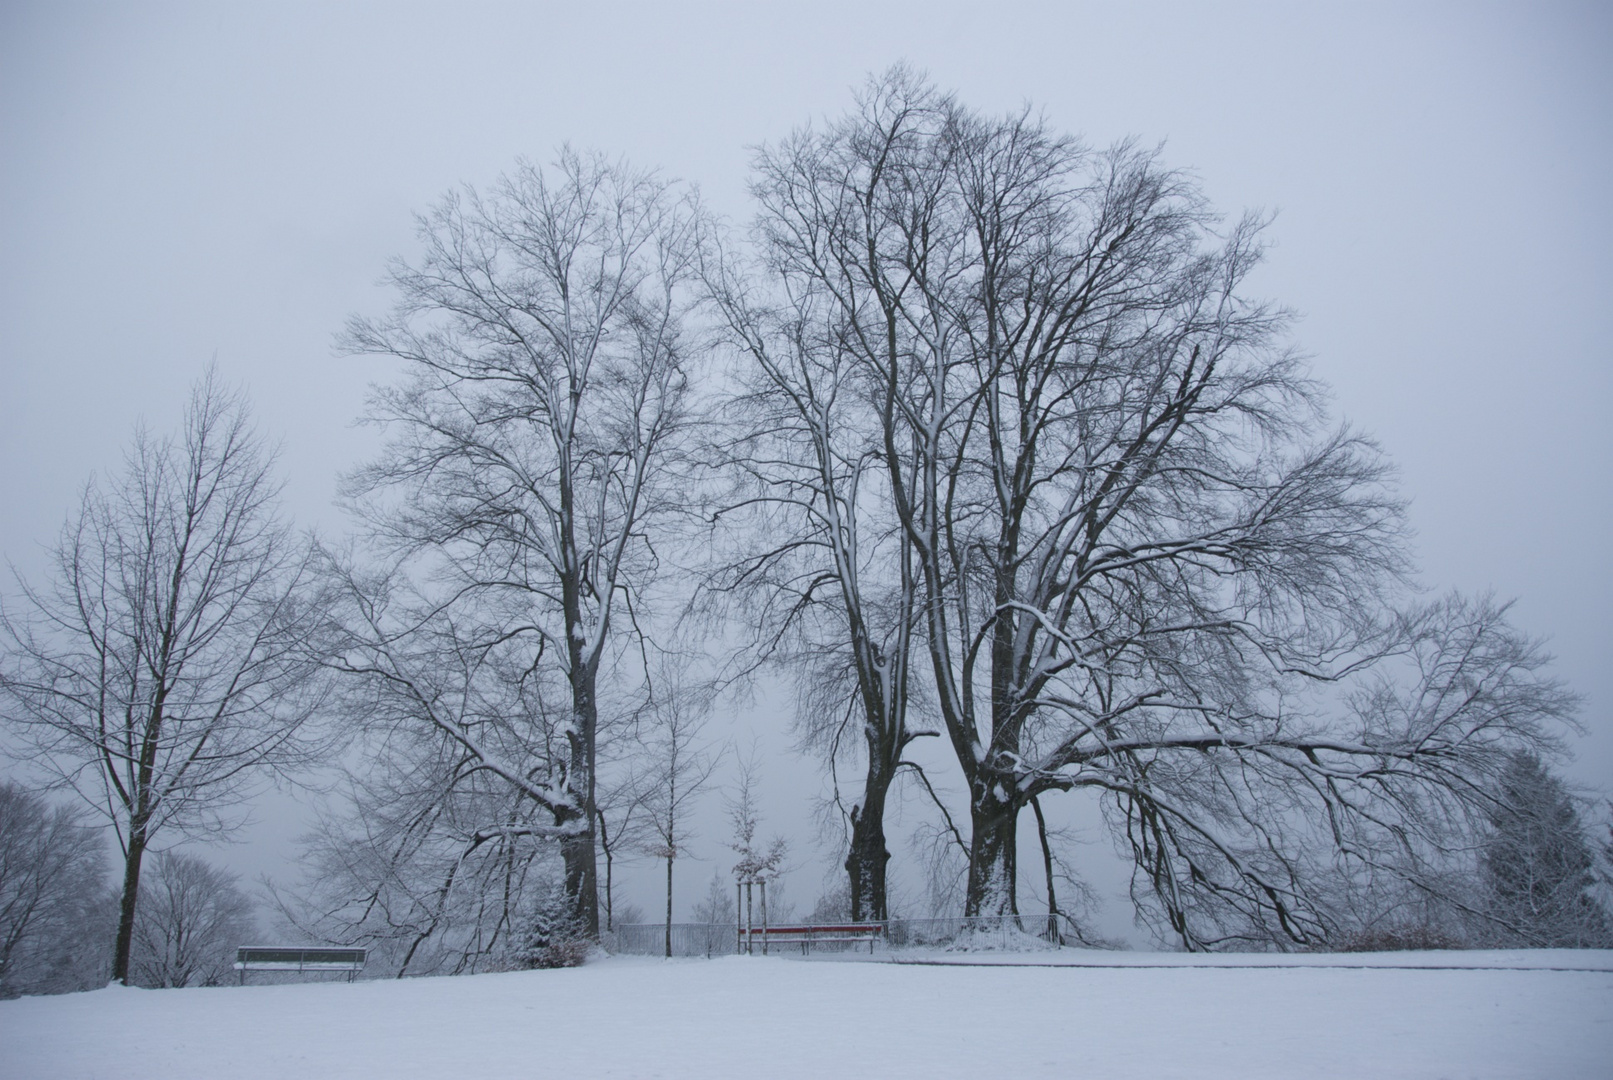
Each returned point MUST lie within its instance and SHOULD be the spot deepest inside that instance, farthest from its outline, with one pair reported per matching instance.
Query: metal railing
(983, 933)
(688, 939)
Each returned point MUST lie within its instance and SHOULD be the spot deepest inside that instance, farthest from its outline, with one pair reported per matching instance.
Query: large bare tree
(536, 425)
(170, 660)
(1140, 545)
(815, 559)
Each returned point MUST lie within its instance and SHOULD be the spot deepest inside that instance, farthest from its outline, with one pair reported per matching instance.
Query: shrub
(1398, 939)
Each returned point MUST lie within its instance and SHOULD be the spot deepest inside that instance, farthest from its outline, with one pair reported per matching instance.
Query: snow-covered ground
(1546, 1014)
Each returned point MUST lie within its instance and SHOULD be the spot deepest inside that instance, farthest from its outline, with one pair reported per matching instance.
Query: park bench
(292, 958)
(808, 935)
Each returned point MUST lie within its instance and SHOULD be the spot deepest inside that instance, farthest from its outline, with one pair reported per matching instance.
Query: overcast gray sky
(180, 182)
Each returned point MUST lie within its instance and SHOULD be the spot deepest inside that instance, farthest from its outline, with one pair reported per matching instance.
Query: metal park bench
(808, 935)
(289, 958)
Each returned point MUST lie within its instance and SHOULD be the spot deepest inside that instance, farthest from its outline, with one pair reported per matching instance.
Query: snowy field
(1545, 1014)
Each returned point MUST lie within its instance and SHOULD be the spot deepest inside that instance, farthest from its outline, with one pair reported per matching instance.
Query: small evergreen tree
(554, 935)
(1538, 864)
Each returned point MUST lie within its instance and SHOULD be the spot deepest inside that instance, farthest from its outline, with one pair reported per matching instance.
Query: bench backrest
(290, 958)
(865, 929)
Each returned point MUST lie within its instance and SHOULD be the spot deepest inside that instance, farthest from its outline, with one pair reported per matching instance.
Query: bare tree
(717, 908)
(191, 919)
(1137, 558)
(821, 569)
(678, 769)
(170, 662)
(423, 896)
(416, 873)
(544, 401)
(1408, 829)
(50, 864)
(615, 836)
(758, 862)
(458, 792)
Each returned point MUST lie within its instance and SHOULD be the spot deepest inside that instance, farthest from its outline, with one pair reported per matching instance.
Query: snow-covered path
(775, 1018)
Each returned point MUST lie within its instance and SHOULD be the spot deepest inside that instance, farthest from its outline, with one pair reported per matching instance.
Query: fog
(186, 183)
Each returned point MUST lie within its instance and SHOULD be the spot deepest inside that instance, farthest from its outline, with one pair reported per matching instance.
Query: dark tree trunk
(126, 908)
(582, 878)
(993, 854)
(669, 907)
(604, 846)
(578, 851)
(1053, 934)
(577, 854)
(866, 862)
(886, 735)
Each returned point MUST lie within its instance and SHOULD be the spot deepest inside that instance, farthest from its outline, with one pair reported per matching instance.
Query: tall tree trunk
(577, 851)
(582, 874)
(582, 877)
(993, 852)
(604, 845)
(131, 895)
(1053, 934)
(669, 907)
(883, 691)
(865, 863)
